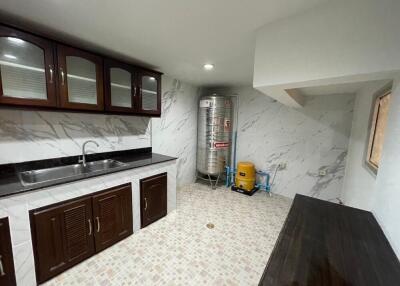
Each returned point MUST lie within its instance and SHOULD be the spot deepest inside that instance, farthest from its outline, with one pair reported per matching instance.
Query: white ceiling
(176, 37)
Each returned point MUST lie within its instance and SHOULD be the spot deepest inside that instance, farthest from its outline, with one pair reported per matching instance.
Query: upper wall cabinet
(38, 72)
(26, 69)
(80, 76)
(149, 93)
(119, 87)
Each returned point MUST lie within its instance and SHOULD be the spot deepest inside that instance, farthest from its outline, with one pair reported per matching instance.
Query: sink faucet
(83, 160)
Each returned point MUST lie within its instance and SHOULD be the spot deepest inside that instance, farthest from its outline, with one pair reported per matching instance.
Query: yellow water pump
(245, 176)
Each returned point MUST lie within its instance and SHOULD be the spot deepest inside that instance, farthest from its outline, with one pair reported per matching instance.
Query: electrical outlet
(282, 165)
(322, 173)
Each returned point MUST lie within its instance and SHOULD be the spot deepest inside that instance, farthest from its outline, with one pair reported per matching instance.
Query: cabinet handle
(62, 76)
(98, 224)
(145, 203)
(51, 73)
(134, 91)
(2, 273)
(90, 227)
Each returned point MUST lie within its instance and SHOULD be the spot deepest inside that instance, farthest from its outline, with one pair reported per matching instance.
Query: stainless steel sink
(103, 165)
(56, 173)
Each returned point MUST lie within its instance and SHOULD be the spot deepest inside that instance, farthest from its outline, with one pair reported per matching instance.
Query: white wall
(359, 186)
(309, 140)
(175, 133)
(386, 206)
(362, 189)
(340, 41)
(345, 41)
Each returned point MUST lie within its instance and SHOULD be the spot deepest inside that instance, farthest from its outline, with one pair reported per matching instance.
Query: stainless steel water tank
(214, 134)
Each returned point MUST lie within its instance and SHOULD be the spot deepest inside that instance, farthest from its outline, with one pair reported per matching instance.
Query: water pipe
(235, 133)
(227, 180)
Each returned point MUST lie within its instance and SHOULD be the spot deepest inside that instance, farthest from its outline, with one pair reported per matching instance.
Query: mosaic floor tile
(181, 250)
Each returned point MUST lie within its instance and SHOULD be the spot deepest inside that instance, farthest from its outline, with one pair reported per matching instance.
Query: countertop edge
(128, 166)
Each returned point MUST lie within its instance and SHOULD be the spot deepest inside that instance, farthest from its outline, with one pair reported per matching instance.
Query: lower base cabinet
(153, 198)
(67, 233)
(62, 237)
(7, 273)
(112, 212)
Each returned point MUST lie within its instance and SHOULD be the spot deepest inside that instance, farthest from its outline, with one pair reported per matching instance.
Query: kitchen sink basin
(57, 173)
(103, 165)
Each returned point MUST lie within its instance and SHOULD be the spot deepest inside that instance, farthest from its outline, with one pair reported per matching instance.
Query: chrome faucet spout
(83, 161)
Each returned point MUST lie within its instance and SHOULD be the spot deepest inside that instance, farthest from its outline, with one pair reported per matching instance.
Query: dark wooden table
(322, 243)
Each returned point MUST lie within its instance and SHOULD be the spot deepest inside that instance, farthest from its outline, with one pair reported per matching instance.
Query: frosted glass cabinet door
(119, 89)
(26, 69)
(150, 93)
(80, 79)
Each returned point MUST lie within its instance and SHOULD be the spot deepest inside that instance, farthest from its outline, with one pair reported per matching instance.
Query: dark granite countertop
(10, 183)
(322, 243)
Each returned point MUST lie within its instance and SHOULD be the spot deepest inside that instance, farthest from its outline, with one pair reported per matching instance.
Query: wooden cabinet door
(112, 213)
(149, 97)
(7, 273)
(153, 198)
(62, 237)
(27, 73)
(80, 78)
(120, 90)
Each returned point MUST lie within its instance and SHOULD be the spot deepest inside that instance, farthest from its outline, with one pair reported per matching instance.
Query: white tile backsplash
(27, 135)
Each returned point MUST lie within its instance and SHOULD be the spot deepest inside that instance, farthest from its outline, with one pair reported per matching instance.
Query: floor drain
(210, 225)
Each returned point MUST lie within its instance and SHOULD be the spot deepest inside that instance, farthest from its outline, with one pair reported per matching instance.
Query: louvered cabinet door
(112, 213)
(7, 274)
(63, 236)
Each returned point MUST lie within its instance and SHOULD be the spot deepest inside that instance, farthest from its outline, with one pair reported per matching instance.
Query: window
(377, 133)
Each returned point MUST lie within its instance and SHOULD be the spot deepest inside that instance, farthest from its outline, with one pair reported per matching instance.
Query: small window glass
(377, 133)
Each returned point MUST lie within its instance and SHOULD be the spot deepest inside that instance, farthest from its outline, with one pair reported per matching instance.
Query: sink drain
(210, 225)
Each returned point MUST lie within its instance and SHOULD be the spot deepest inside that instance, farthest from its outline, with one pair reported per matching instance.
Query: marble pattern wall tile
(309, 139)
(17, 208)
(34, 135)
(175, 133)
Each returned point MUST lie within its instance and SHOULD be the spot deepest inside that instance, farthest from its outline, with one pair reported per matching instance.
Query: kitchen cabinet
(112, 212)
(63, 236)
(153, 198)
(39, 72)
(131, 90)
(7, 273)
(149, 96)
(120, 88)
(67, 233)
(27, 69)
(80, 79)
